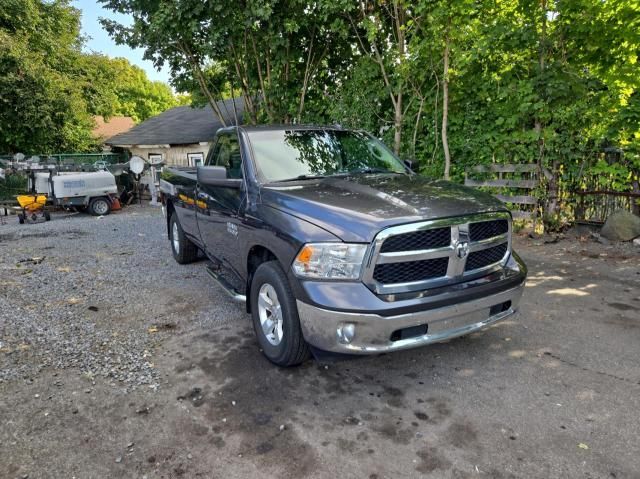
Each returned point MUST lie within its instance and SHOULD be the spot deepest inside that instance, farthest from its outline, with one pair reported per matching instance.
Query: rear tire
(275, 317)
(47, 216)
(21, 218)
(184, 251)
(99, 206)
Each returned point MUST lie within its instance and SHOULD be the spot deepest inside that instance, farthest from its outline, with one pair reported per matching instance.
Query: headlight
(330, 260)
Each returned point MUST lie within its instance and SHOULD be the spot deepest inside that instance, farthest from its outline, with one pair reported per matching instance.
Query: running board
(235, 295)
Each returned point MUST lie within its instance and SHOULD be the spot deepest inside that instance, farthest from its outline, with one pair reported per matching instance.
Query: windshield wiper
(369, 170)
(302, 177)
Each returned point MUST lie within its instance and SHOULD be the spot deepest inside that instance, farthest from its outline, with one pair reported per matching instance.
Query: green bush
(13, 185)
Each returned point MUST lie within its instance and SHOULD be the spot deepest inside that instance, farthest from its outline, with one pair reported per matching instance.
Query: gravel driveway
(115, 362)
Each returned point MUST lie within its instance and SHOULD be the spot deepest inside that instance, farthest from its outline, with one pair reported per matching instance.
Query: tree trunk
(398, 117)
(197, 71)
(553, 189)
(395, 90)
(445, 109)
(551, 205)
(249, 106)
(263, 86)
(415, 129)
(307, 76)
(635, 202)
(541, 66)
(397, 123)
(205, 89)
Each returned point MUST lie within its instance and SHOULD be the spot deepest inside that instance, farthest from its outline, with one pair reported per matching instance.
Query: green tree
(42, 108)
(451, 83)
(280, 56)
(113, 86)
(50, 90)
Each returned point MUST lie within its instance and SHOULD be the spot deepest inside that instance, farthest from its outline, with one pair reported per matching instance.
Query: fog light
(346, 333)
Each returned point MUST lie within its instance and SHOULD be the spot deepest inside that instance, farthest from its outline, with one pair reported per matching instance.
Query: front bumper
(372, 333)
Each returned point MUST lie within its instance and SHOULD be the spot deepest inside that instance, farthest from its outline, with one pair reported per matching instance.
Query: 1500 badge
(232, 228)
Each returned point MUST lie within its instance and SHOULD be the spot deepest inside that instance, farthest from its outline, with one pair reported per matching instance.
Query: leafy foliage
(50, 89)
(41, 104)
(528, 81)
(281, 56)
(539, 81)
(115, 87)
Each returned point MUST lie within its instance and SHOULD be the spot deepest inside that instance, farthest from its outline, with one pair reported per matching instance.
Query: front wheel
(275, 317)
(184, 251)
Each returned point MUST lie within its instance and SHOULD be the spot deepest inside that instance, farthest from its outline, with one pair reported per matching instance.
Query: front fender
(281, 235)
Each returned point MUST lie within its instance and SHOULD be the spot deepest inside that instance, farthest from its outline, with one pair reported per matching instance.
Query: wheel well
(170, 209)
(257, 255)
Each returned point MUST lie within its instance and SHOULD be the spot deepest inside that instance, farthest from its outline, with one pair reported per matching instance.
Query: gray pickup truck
(336, 245)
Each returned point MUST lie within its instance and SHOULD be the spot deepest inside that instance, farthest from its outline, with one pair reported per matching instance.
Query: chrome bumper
(372, 333)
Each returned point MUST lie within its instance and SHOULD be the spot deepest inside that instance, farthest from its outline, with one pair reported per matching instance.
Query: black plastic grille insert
(417, 240)
(485, 257)
(487, 229)
(390, 273)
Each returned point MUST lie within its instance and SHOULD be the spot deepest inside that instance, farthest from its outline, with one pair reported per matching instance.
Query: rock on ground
(621, 226)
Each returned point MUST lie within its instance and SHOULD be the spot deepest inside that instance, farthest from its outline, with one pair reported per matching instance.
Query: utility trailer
(94, 191)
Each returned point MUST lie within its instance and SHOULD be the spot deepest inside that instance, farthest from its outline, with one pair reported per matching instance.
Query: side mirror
(412, 165)
(216, 176)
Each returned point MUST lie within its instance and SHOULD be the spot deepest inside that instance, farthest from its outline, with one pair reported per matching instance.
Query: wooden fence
(511, 183)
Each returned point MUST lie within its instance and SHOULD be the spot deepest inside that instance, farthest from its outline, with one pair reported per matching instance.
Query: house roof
(181, 125)
(113, 126)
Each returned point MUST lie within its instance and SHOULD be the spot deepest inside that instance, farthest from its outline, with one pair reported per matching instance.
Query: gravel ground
(117, 362)
(72, 287)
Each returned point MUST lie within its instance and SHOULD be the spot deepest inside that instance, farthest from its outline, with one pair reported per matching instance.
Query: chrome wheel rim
(101, 207)
(270, 314)
(175, 239)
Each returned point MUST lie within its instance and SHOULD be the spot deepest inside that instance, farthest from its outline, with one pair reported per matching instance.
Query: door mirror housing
(216, 176)
(412, 165)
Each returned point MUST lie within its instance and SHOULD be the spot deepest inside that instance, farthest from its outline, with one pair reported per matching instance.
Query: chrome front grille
(414, 271)
(417, 240)
(487, 229)
(429, 254)
(485, 257)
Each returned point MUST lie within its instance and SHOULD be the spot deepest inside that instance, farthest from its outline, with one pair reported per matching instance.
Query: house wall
(173, 155)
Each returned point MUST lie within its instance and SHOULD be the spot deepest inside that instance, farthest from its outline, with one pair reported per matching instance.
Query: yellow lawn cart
(33, 206)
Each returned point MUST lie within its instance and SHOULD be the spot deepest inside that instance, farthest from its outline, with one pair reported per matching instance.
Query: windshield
(282, 155)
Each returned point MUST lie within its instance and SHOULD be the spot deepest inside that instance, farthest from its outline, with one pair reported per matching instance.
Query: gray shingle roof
(181, 125)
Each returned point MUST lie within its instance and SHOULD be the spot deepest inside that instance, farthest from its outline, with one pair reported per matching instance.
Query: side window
(227, 153)
(211, 154)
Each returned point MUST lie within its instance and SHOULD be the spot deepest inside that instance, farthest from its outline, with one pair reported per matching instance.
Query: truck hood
(356, 208)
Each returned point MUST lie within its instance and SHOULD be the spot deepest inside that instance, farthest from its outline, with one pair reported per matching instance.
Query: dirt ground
(553, 392)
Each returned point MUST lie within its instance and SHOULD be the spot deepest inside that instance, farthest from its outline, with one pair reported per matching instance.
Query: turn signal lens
(330, 261)
(305, 255)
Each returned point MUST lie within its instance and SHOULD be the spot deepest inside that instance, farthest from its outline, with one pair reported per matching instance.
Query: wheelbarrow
(33, 206)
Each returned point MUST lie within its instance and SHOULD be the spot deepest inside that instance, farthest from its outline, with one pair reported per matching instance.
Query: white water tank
(91, 184)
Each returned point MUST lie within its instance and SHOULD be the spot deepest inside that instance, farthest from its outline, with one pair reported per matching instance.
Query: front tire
(275, 317)
(184, 251)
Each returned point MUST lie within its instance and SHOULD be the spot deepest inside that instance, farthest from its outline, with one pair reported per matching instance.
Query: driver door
(219, 207)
